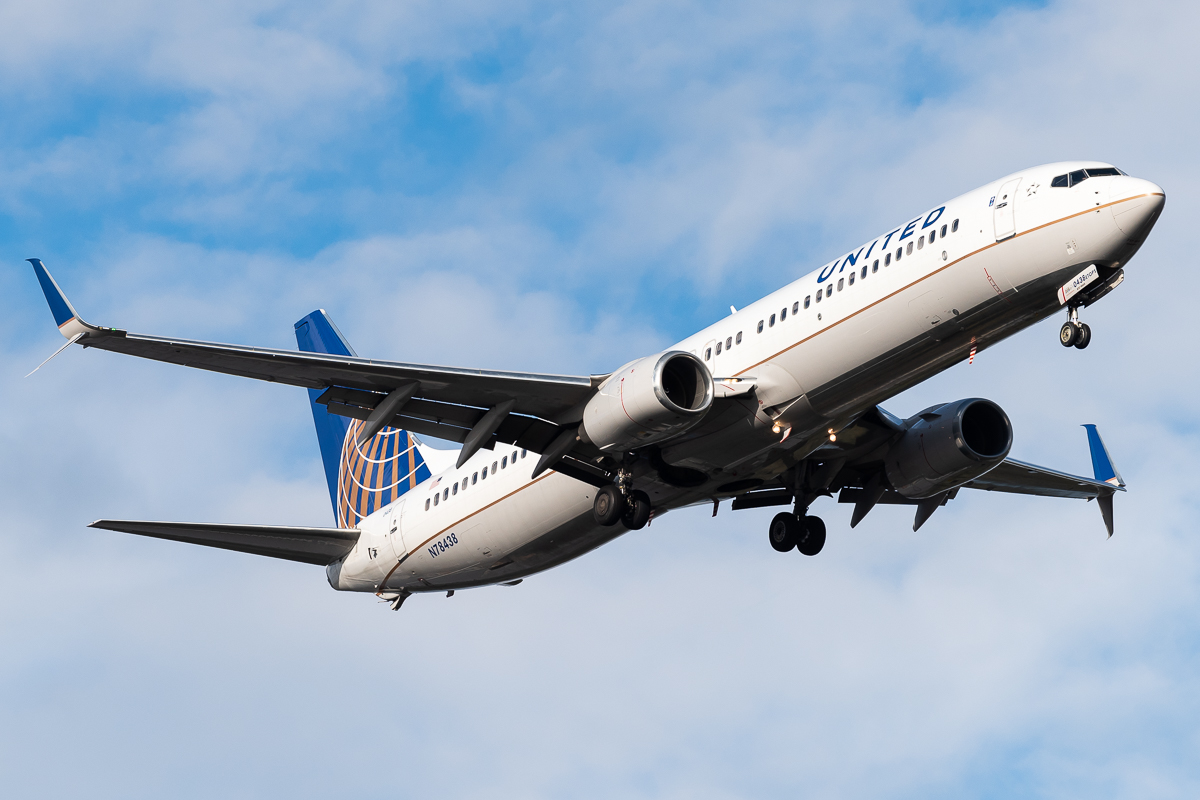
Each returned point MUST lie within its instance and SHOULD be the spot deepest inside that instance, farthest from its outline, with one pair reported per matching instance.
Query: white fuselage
(816, 365)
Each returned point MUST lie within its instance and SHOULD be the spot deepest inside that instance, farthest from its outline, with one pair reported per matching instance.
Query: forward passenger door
(1002, 210)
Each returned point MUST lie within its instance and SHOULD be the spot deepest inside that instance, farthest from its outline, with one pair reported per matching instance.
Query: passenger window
(783, 314)
(729, 343)
(920, 245)
(875, 266)
(436, 498)
(943, 233)
(493, 467)
(739, 338)
(796, 307)
(887, 260)
(475, 477)
(719, 347)
(708, 354)
(1060, 182)
(908, 252)
(933, 236)
(446, 493)
(760, 326)
(514, 457)
(483, 474)
(504, 462)
(829, 290)
(851, 278)
(841, 283)
(523, 452)
(900, 252)
(954, 227)
(771, 324)
(820, 294)
(807, 300)
(426, 503)
(465, 483)
(455, 487)
(864, 270)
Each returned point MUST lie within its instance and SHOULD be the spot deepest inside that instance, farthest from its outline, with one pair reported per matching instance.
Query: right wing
(444, 402)
(320, 546)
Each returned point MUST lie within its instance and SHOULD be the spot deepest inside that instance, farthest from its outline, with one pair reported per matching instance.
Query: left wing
(470, 406)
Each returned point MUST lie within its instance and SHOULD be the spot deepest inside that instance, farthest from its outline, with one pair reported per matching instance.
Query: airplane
(776, 404)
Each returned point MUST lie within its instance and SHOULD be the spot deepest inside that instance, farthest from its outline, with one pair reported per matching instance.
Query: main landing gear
(1075, 333)
(806, 534)
(630, 508)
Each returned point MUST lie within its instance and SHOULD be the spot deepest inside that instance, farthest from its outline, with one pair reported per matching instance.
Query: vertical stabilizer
(363, 477)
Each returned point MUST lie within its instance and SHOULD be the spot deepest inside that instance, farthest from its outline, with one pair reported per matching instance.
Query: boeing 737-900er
(774, 405)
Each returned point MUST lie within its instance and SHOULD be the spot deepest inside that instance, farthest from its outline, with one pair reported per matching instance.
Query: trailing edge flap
(320, 546)
(1021, 478)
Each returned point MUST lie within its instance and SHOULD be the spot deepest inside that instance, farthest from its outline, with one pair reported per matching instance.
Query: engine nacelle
(647, 401)
(946, 446)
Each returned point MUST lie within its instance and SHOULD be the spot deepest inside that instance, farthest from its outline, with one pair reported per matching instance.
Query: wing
(474, 407)
(1019, 477)
(309, 545)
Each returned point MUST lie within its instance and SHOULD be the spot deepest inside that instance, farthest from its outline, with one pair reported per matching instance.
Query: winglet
(1102, 463)
(65, 317)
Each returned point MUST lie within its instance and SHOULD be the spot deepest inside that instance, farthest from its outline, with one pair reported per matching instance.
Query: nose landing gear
(1074, 333)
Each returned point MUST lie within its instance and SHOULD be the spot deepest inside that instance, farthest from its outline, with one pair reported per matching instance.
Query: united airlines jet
(777, 404)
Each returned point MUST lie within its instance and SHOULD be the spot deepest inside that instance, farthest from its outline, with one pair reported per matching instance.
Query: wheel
(814, 536)
(1085, 336)
(784, 531)
(609, 506)
(1068, 334)
(637, 510)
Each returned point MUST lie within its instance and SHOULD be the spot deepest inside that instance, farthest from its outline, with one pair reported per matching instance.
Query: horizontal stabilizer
(320, 546)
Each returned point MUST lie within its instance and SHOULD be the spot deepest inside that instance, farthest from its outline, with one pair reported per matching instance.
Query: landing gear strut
(806, 534)
(1075, 333)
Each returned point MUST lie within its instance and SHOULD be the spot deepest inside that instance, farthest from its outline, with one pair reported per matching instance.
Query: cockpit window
(1081, 175)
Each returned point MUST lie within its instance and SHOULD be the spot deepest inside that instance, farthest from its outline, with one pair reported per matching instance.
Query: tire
(608, 506)
(784, 531)
(814, 536)
(1068, 334)
(637, 511)
(1085, 336)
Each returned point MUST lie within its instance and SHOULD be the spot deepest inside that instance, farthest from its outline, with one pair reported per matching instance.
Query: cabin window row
(728, 344)
(480, 475)
(873, 267)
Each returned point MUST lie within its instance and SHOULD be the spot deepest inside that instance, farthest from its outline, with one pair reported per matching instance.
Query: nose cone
(1135, 205)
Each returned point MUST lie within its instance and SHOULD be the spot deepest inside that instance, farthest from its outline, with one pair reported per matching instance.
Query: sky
(562, 188)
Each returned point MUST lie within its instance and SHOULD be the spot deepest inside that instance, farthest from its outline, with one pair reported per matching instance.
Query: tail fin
(362, 478)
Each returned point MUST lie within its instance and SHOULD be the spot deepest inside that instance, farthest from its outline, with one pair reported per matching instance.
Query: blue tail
(362, 478)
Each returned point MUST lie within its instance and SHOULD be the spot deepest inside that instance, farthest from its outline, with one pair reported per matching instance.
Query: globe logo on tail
(375, 473)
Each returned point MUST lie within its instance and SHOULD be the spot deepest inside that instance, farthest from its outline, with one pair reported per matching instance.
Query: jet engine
(647, 401)
(946, 446)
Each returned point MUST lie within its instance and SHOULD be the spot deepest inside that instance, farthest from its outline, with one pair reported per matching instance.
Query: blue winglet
(1102, 463)
(60, 306)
